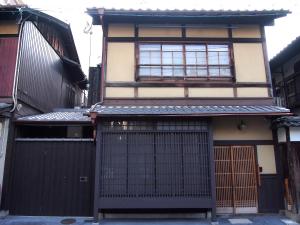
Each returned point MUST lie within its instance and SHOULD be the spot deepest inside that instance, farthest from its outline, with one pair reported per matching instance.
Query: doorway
(236, 179)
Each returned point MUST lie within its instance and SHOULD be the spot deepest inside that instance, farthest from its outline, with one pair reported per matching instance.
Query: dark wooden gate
(52, 177)
(154, 165)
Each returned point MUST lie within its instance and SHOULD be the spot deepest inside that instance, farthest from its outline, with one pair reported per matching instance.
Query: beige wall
(249, 62)
(160, 92)
(159, 32)
(266, 159)
(121, 30)
(119, 92)
(8, 27)
(211, 92)
(246, 32)
(225, 128)
(120, 62)
(252, 92)
(207, 32)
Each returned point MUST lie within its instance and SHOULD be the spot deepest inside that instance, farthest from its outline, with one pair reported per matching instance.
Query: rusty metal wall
(8, 54)
(42, 78)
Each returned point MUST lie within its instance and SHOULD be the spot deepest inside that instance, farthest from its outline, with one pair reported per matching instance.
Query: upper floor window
(184, 60)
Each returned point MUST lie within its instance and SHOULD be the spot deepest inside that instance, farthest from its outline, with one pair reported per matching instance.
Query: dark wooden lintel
(184, 39)
(188, 101)
(185, 83)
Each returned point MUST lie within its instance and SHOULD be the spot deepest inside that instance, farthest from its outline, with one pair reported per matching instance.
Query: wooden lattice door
(236, 186)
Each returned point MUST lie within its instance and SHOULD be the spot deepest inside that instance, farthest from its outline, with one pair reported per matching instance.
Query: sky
(88, 39)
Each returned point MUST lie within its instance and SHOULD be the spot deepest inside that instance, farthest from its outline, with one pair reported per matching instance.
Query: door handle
(83, 179)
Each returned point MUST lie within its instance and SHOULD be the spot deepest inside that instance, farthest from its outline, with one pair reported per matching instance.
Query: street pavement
(223, 220)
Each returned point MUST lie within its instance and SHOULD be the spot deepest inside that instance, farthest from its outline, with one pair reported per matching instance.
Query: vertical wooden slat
(239, 189)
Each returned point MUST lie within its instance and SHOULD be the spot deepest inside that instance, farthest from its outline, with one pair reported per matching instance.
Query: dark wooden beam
(185, 39)
(186, 83)
(188, 101)
(291, 166)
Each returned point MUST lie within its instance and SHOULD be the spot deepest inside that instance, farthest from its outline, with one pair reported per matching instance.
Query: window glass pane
(144, 71)
(177, 58)
(155, 58)
(217, 48)
(144, 58)
(195, 48)
(155, 71)
(167, 58)
(167, 71)
(201, 58)
(172, 48)
(191, 71)
(151, 47)
(224, 58)
(190, 58)
(178, 71)
(213, 71)
(213, 58)
(225, 71)
(201, 71)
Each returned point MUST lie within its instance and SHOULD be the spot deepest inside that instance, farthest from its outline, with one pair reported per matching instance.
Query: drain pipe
(17, 69)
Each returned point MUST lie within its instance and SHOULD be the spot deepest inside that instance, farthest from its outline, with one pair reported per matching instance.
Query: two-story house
(184, 119)
(285, 70)
(39, 71)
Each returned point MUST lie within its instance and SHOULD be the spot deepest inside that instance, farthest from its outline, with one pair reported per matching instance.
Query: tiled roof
(286, 54)
(287, 121)
(188, 110)
(8, 3)
(4, 105)
(187, 16)
(62, 116)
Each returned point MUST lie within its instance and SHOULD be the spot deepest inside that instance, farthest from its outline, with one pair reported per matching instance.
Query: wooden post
(290, 161)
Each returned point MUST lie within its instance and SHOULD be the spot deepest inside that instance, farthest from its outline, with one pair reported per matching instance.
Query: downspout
(17, 69)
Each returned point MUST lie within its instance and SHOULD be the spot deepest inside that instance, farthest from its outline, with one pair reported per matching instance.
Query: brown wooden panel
(8, 52)
(235, 170)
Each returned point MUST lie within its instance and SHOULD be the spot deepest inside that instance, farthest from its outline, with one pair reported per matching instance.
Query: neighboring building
(183, 123)
(39, 71)
(285, 69)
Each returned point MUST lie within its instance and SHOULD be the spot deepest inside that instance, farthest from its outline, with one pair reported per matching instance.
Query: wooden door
(52, 178)
(236, 185)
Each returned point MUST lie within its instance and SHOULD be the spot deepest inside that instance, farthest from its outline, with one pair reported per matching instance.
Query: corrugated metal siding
(8, 53)
(42, 78)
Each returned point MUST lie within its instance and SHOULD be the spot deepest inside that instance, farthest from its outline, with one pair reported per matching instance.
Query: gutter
(17, 68)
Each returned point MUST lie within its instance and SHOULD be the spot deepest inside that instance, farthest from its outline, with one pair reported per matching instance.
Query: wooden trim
(186, 92)
(97, 174)
(136, 93)
(243, 142)
(186, 83)
(188, 101)
(186, 39)
(266, 60)
(8, 35)
(183, 31)
(212, 170)
(104, 67)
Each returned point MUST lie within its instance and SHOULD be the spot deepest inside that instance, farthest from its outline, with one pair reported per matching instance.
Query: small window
(184, 60)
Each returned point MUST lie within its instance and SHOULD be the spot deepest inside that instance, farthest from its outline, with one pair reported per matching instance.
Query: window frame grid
(184, 66)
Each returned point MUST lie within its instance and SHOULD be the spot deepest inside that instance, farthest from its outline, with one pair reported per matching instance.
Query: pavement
(222, 220)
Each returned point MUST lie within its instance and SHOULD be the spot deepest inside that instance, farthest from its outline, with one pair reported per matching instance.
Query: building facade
(39, 71)
(184, 118)
(285, 69)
